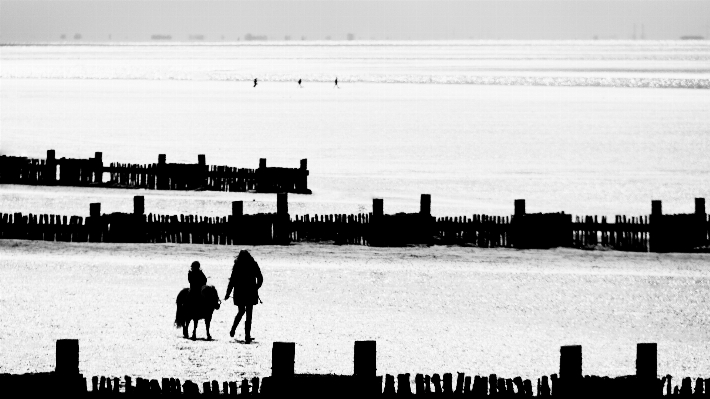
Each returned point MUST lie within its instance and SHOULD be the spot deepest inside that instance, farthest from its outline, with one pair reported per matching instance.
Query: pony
(189, 309)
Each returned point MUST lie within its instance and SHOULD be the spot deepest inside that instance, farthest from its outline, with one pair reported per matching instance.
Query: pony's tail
(178, 317)
(180, 312)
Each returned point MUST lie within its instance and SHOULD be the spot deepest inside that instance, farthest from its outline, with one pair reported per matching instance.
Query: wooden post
(656, 207)
(656, 236)
(460, 378)
(700, 206)
(403, 386)
(646, 361)
(436, 380)
(304, 164)
(98, 167)
(262, 163)
(377, 207)
(95, 209)
(519, 207)
(389, 385)
(282, 359)
(67, 352)
(702, 227)
(425, 205)
(282, 204)
(570, 368)
(138, 205)
(365, 362)
(571, 361)
(201, 160)
(161, 174)
(237, 209)
(419, 384)
(448, 382)
(50, 171)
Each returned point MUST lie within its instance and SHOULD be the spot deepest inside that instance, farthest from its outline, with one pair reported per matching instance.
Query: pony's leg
(184, 328)
(207, 327)
(194, 328)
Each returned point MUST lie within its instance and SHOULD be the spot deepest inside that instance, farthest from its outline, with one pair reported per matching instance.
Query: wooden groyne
(656, 232)
(364, 382)
(157, 176)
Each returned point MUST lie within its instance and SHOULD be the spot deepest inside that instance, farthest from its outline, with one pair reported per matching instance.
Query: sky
(139, 20)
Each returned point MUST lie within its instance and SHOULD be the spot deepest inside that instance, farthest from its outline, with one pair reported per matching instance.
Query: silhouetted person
(254, 82)
(246, 279)
(336, 83)
(197, 279)
(299, 83)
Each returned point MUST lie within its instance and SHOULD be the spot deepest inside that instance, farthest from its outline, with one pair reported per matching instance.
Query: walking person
(336, 83)
(254, 82)
(299, 83)
(246, 279)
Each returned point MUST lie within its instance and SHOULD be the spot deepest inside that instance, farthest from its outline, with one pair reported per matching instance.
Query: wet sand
(431, 310)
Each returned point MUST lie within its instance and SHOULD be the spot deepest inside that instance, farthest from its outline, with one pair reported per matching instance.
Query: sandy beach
(431, 310)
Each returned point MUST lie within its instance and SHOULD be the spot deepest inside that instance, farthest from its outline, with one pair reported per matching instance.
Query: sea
(585, 127)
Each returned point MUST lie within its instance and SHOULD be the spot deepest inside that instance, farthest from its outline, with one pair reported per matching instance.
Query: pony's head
(210, 292)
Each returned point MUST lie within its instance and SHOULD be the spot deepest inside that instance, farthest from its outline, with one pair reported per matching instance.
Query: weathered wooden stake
(282, 359)
(95, 209)
(647, 361)
(282, 203)
(377, 207)
(425, 205)
(570, 370)
(67, 353)
(519, 207)
(237, 208)
(365, 361)
(700, 206)
(138, 205)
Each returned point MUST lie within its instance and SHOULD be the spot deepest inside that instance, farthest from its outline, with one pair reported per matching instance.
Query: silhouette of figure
(254, 82)
(299, 83)
(196, 278)
(336, 83)
(246, 279)
(189, 310)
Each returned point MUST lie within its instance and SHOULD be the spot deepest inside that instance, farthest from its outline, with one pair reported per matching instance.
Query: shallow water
(474, 147)
(431, 310)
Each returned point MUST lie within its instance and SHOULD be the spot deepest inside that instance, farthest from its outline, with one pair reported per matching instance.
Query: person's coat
(246, 280)
(197, 279)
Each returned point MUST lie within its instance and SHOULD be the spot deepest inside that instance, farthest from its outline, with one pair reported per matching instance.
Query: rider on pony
(197, 280)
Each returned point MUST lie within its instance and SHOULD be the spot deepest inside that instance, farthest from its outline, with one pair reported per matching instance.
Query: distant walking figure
(246, 279)
(336, 83)
(299, 83)
(254, 82)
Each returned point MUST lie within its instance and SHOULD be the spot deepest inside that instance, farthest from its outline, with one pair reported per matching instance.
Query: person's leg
(237, 319)
(247, 324)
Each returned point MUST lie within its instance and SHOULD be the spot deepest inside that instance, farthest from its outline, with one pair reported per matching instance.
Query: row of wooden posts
(655, 233)
(283, 381)
(157, 176)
